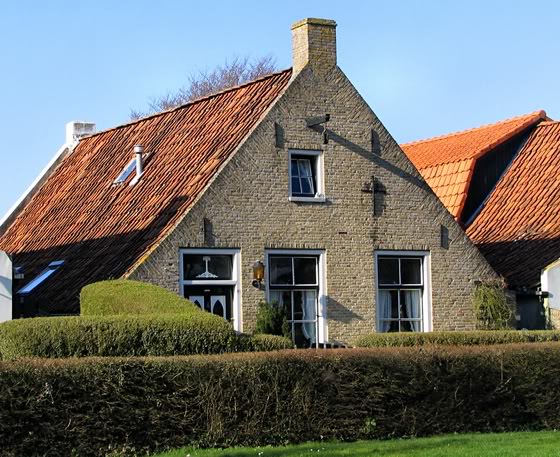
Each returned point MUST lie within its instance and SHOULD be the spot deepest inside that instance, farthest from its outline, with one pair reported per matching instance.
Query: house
(285, 189)
(499, 181)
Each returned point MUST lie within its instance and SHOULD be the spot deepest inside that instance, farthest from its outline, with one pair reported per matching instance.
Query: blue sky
(425, 68)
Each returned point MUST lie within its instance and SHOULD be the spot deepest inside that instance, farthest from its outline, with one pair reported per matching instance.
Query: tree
(232, 73)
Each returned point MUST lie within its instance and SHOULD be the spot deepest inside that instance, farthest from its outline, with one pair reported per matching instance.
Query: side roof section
(100, 229)
(518, 228)
(447, 162)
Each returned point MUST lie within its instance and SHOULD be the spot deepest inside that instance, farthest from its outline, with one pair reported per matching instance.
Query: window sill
(321, 199)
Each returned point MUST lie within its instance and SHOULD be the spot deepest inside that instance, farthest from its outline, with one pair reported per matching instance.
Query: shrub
(88, 407)
(122, 336)
(123, 296)
(202, 333)
(272, 319)
(491, 308)
(262, 342)
(472, 338)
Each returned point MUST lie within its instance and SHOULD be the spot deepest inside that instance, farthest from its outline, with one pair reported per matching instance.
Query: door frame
(235, 280)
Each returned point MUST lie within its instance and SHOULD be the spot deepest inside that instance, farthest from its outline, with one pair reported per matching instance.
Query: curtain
(309, 305)
(412, 301)
(384, 310)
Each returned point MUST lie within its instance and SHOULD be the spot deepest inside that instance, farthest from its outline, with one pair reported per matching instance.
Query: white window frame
(319, 169)
(235, 281)
(427, 323)
(322, 327)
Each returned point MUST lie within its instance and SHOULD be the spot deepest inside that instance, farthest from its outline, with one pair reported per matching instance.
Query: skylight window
(43, 276)
(126, 172)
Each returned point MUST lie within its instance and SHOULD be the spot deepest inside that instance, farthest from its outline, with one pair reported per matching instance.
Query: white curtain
(413, 301)
(384, 310)
(309, 305)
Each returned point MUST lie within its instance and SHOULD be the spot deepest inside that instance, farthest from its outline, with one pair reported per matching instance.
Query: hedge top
(123, 296)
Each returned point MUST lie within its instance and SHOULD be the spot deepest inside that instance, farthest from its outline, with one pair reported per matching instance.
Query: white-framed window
(306, 171)
(211, 279)
(403, 291)
(296, 281)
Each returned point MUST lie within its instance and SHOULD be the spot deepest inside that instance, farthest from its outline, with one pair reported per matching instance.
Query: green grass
(488, 445)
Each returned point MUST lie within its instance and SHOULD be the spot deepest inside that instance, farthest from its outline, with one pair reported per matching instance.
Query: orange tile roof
(100, 229)
(447, 162)
(518, 228)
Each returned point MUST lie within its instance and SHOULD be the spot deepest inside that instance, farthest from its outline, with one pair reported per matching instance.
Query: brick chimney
(314, 44)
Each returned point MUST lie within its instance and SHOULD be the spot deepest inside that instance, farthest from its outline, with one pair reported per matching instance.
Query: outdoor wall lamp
(258, 273)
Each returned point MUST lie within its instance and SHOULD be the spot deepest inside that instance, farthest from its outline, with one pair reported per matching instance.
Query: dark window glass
(305, 270)
(411, 271)
(296, 186)
(302, 169)
(388, 270)
(281, 271)
(207, 267)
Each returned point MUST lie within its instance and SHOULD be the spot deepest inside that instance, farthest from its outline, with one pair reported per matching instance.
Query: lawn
(489, 445)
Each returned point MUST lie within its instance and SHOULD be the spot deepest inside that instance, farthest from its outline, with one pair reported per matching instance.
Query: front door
(214, 299)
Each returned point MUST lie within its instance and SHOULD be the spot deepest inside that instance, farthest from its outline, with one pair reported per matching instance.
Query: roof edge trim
(30, 192)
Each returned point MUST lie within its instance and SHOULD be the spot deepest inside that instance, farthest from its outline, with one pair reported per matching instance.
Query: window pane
(294, 165)
(207, 267)
(282, 298)
(387, 308)
(305, 270)
(305, 167)
(296, 186)
(388, 270)
(281, 270)
(411, 271)
(305, 305)
(411, 308)
(304, 334)
(307, 187)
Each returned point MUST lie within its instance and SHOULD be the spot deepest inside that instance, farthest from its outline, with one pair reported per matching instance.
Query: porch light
(258, 273)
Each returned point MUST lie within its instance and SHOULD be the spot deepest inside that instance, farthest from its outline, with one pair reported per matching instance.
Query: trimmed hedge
(95, 407)
(150, 335)
(123, 296)
(472, 338)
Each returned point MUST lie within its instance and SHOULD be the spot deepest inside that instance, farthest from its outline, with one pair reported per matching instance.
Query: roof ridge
(192, 102)
(540, 114)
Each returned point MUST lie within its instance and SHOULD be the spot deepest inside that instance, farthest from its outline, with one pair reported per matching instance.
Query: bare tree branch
(232, 73)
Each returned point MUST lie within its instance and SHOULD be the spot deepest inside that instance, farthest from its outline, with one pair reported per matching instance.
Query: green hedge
(59, 337)
(123, 296)
(93, 406)
(473, 338)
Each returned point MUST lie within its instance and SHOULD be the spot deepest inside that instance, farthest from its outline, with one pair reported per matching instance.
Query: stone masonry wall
(248, 208)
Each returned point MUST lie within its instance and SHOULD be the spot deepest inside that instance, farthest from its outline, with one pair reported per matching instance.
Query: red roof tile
(518, 228)
(453, 156)
(100, 229)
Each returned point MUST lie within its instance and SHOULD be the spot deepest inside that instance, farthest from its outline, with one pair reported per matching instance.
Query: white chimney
(314, 44)
(76, 130)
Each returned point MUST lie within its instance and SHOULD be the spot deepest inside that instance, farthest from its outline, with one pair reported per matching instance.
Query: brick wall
(247, 206)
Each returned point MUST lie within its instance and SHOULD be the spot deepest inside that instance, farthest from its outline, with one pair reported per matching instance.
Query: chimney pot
(139, 151)
(314, 44)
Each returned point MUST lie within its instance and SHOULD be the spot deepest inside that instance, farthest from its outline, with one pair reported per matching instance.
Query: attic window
(43, 276)
(126, 172)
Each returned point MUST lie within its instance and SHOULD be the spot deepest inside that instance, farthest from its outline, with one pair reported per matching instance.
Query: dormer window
(41, 278)
(306, 176)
